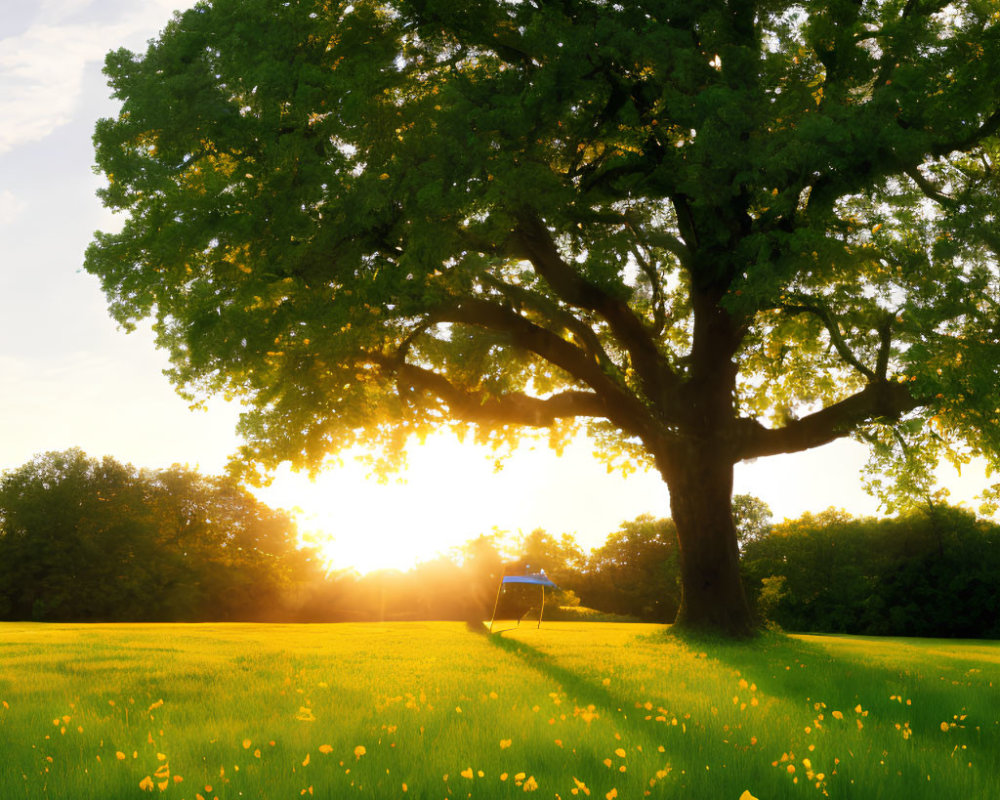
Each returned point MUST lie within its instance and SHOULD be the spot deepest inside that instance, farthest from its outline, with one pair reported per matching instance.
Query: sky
(69, 377)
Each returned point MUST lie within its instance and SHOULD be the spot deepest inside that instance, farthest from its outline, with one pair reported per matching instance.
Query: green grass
(273, 711)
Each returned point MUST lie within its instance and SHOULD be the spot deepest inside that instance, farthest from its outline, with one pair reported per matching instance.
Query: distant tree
(561, 558)
(752, 518)
(243, 554)
(77, 541)
(636, 572)
(82, 538)
(928, 572)
(482, 567)
(708, 231)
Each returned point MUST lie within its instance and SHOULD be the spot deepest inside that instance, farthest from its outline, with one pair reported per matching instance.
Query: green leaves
(312, 189)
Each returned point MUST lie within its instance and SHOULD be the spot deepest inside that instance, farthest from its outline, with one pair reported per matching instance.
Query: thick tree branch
(884, 348)
(929, 189)
(515, 408)
(557, 317)
(529, 336)
(533, 241)
(880, 400)
(990, 127)
(664, 240)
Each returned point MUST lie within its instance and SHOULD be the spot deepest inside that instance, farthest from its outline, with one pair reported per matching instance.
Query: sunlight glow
(452, 493)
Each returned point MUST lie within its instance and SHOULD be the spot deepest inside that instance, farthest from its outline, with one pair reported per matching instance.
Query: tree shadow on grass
(797, 668)
(574, 684)
(799, 684)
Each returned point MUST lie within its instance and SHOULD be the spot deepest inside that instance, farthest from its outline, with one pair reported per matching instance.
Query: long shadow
(573, 683)
(584, 691)
(801, 671)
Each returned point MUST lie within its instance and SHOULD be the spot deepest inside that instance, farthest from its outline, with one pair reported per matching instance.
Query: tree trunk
(712, 596)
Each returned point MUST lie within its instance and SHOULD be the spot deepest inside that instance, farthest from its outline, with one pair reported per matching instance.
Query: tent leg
(541, 608)
(496, 603)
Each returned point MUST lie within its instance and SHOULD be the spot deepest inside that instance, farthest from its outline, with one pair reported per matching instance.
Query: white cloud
(10, 207)
(42, 69)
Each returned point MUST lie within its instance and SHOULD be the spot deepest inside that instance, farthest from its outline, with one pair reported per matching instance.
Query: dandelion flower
(246, 744)
(747, 796)
(467, 773)
(611, 795)
(944, 727)
(505, 743)
(146, 784)
(325, 749)
(359, 751)
(531, 784)
(620, 752)
(120, 755)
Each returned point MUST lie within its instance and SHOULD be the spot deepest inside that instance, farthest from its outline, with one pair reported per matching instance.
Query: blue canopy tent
(537, 578)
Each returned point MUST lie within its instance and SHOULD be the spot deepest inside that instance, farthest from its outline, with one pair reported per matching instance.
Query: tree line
(92, 539)
(932, 571)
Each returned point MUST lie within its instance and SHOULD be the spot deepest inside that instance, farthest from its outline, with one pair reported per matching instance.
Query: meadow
(433, 710)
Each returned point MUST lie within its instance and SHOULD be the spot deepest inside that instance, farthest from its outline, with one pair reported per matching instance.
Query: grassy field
(431, 710)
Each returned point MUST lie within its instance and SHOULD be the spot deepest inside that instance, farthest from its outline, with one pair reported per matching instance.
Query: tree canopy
(707, 231)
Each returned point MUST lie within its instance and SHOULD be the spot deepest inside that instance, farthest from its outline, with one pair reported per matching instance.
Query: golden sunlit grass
(433, 711)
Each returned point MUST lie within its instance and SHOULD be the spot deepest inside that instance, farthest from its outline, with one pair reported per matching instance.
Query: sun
(448, 495)
(452, 492)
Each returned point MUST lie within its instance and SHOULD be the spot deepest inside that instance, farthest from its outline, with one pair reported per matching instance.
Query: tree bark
(712, 600)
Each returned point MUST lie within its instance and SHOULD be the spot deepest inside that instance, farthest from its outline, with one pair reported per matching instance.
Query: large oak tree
(707, 231)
